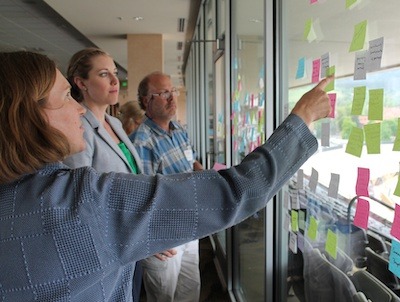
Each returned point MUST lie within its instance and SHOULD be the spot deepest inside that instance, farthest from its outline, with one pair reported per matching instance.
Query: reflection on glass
(219, 118)
(209, 47)
(247, 130)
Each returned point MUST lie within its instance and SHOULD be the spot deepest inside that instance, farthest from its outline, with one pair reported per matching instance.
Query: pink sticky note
(362, 213)
(395, 231)
(332, 98)
(362, 182)
(235, 146)
(218, 166)
(316, 67)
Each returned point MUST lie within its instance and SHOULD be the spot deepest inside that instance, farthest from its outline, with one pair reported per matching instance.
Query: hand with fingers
(314, 104)
(166, 254)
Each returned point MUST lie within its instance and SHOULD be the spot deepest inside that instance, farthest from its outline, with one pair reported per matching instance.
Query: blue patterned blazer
(70, 234)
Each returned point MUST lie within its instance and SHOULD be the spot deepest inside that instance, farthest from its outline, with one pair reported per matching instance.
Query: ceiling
(59, 28)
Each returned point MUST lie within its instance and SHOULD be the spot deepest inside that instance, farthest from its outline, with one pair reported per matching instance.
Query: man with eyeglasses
(164, 148)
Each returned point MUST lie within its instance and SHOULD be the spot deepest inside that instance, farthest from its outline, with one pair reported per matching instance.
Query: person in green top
(93, 77)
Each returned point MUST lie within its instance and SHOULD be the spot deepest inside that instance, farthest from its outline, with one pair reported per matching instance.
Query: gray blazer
(102, 153)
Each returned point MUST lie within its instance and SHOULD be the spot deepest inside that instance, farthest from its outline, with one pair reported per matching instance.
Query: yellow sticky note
(397, 190)
(396, 145)
(358, 100)
(330, 71)
(295, 221)
(349, 3)
(375, 108)
(359, 34)
(312, 228)
(331, 244)
(356, 141)
(302, 219)
(373, 138)
(309, 32)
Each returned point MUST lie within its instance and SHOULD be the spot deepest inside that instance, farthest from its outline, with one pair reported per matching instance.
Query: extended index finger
(323, 83)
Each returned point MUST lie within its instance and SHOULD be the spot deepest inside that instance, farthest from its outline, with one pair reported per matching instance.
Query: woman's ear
(79, 82)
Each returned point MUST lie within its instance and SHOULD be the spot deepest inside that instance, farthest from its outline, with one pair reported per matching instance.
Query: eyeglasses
(167, 94)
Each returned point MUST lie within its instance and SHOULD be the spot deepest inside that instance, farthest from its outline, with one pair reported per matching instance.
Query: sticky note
(355, 143)
(301, 65)
(302, 220)
(300, 242)
(362, 182)
(362, 213)
(293, 242)
(316, 67)
(394, 258)
(395, 231)
(373, 138)
(312, 184)
(286, 222)
(359, 34)
(286, 201)
(331, 244)
(334, 185)
(330, 71)
(295, 221)
(360, 65)
(397, 189)
(295, 203)
(312, 228)
(309, 31)
(332, 98)
(300, 179)
(325, 134)
(349, 3)
(375, 108)
(375, 52)
(324, 64)
(359, 94)
(396, 144)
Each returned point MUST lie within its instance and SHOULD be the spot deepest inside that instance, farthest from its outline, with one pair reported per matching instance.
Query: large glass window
(328, 245)
(247, 131)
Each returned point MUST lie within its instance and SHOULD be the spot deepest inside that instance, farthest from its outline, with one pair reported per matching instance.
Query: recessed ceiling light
(138, 18)
(255, 20)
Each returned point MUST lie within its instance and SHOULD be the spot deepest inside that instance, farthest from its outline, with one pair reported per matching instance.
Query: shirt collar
(149, 122)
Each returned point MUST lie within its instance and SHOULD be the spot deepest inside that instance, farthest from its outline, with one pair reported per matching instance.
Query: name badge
(189, 154)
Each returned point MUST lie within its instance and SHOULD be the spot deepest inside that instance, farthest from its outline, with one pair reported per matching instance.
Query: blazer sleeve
(146, 214)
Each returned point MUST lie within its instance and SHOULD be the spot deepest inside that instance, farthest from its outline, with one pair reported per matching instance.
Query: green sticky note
(349, 3)
(358, 100)
(309, 32)
(312, 229)
(307, 28)
(397, 190)
(295, 221)
(302, 219)
(359, 34)
(330, 71)
(375, 108)
(396, 145)
(356, 141)
(372, 134)
(331, 244)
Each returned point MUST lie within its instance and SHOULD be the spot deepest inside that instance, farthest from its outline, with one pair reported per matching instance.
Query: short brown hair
(143, 88)
(27, 141)
(79, 66)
